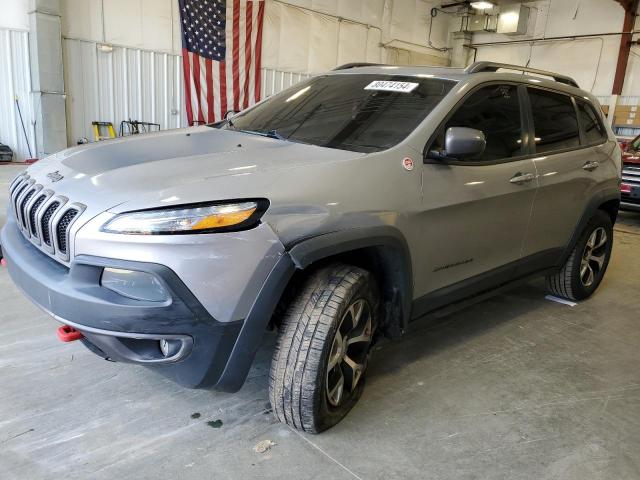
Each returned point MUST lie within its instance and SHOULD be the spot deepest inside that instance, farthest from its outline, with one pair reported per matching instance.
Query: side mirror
(463, 142)
(230, 114)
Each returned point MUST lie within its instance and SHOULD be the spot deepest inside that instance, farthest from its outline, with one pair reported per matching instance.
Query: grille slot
(32, 215)
(18, 191)
(23, 207)
(17, 182)
(62, 229)
(48, 213)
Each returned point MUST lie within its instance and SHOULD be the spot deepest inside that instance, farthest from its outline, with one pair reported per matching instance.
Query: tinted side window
(496, 111)
(592, 128)
(554, 120)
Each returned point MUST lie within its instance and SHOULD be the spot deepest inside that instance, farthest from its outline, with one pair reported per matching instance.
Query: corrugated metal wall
(15, 80)
(274, 81)
(132, 83)
(123, 84)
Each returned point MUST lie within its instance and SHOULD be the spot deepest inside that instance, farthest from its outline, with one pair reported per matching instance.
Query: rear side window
(554, 121)
(592, 128)
(495, 110)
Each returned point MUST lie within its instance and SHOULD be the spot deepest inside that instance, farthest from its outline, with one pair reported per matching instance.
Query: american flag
(221, 56)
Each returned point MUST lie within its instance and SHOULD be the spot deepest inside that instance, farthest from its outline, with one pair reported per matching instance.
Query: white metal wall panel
(274, 81)
(133, 83)
(15, 80)
(316, 35)
(124, 84)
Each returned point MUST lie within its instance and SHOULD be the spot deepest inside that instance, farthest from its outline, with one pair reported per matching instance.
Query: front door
(476, 210)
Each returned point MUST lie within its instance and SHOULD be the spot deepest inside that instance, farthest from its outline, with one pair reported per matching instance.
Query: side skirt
(476, 289)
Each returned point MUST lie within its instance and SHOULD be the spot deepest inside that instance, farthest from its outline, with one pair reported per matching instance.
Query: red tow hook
(68, 334)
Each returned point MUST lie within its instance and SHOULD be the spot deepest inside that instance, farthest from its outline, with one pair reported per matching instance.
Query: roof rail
(347, 66)
(479, 67)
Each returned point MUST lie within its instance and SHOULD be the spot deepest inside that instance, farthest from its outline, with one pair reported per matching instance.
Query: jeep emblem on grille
(55, 176)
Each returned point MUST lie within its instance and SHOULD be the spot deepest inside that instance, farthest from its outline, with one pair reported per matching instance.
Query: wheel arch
(608, 202)
(382, 250)
(611, 207)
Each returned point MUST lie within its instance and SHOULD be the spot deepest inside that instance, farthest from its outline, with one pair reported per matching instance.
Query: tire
(303, 387)
(573, 282)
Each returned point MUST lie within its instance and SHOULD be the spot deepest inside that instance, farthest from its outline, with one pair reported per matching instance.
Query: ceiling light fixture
(482, 5)
(104, 47)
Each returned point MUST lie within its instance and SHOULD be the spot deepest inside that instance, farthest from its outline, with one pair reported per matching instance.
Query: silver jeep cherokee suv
(335, 211)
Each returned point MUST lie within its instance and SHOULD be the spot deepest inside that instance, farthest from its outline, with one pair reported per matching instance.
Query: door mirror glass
(463, 142)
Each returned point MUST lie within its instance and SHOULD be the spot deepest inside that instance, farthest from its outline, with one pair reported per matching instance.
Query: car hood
(173, 167)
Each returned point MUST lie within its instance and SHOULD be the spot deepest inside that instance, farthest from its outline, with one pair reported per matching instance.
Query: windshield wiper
(270, 133)
(274, 134)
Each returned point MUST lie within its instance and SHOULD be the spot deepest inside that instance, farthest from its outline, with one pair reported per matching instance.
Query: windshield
(364, 113)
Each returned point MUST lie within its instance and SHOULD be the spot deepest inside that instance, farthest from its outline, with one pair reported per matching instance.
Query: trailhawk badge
(55, 176)
(407, 163)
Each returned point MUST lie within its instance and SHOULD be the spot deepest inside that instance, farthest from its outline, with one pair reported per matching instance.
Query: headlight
(189, 219)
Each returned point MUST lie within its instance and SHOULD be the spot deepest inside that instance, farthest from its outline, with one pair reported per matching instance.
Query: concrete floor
(516, 387)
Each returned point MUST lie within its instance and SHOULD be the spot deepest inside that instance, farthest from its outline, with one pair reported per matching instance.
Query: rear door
(476, 210)
(569, 162)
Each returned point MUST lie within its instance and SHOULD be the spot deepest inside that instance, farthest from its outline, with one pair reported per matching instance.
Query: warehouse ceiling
(626, 4)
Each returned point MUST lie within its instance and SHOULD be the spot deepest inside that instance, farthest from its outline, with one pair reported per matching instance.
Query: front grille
(41, 213)
(62, 230)
(48, 213)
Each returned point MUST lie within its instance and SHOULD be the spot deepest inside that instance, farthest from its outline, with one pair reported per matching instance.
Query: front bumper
(212, 353)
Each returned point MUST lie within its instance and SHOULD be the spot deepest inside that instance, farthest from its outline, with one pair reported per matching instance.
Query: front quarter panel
(224, 271)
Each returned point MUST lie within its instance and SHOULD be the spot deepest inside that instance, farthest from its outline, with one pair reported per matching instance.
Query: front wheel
(318, 368)
(587, 264)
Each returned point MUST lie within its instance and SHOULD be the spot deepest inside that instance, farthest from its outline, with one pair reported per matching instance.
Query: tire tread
(307, 323)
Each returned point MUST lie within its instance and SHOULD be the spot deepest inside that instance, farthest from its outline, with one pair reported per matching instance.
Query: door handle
(590, 166)
(522, 178)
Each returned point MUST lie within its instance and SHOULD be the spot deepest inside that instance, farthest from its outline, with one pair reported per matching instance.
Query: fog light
(134, 284)
(170, 348)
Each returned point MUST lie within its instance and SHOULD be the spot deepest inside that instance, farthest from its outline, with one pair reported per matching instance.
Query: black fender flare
(298, 257)
(596, 202)
(389, 238)
(255, 325)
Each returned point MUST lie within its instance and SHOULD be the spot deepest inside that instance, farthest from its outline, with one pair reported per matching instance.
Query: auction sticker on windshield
(391, 86)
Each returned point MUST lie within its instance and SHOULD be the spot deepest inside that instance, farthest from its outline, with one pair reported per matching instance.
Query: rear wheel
(318, 368)
(587, 264)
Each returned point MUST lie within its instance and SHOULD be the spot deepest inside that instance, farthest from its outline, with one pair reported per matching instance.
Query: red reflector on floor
(3, 262)
(625, 188)
(68, 334)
